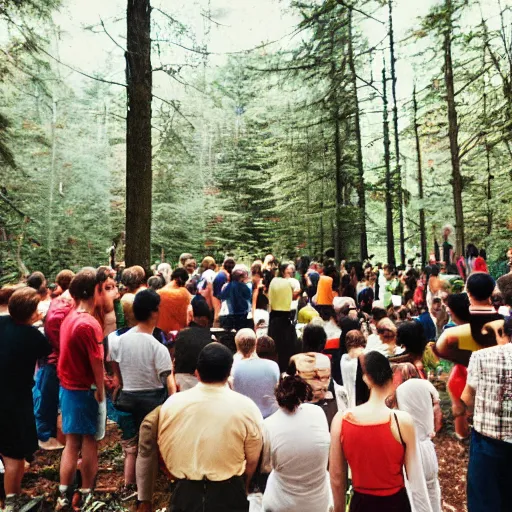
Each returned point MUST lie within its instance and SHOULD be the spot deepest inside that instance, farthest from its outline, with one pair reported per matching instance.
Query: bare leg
(14, 470)
(129, 465)
(89, 466)
(70, 458)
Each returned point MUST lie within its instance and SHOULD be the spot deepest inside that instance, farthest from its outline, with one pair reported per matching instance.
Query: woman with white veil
(417, 397)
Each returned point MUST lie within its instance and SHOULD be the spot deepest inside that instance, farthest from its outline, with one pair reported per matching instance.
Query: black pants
(282, 331)
(206, 496)
(398, 502)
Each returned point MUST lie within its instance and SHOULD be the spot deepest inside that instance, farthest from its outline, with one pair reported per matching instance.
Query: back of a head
(480, 286)
(376, 366)
(208, 263)
(156, 282)
(82, 286)
(505, 285)
(293, 391)
(36, 280)
(256, 268)
(411, 335)
(200, 309)
(133, 278)
(282, 268)
(229, 265)
(458, 303)
(471, 251)
(6, 293)
(266, 348)
(180, 276)
(239, 273)
(354, 339)
(378, 313)
(64, 278)
(326, 313)
(435, 271)
(23, 304)
(245, 341)
(214, 363)
(313, 338)
(165, 270)
(387, 323)
(145, 303)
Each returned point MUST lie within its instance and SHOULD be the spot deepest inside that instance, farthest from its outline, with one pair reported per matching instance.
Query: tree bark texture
(423, 234)
(138, 134)
(453, 133)
(390, 236)
(398, 168)
(363, 244)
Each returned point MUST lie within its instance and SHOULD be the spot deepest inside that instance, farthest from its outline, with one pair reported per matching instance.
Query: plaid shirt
(490, 375)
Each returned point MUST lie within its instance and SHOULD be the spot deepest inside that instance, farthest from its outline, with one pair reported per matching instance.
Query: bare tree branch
(110, 37)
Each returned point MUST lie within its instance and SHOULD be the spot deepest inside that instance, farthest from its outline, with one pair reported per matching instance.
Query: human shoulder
(404, 419)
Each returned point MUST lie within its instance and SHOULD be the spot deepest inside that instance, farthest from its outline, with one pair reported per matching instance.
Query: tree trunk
(398, 169)
(337, 240)
(423, 235)
(138, 134)
(390, 237)
(453, 134)
(52, 175)
(363, 242)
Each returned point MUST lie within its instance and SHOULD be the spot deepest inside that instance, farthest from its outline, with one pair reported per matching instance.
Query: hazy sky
(245, 24)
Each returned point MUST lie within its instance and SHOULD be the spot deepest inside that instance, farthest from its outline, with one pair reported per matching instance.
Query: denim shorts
(79, 412)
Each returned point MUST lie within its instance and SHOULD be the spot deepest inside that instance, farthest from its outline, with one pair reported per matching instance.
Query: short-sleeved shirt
(280, 294)
(218, 283)
(222, 428)
(490, 375)
(257, 378)
(20, 347)
(141, 358)
(59, 309)
(81, 341)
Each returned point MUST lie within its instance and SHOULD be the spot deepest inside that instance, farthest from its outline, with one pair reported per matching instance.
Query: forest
(363, 127)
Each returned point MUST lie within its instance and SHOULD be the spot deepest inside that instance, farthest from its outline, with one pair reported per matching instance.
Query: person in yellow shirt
(280, 327)
(210, 439)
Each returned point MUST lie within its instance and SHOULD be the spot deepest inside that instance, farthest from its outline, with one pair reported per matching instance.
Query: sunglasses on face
(386, 332)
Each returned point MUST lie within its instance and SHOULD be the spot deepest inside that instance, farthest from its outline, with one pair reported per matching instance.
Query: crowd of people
(291, 386)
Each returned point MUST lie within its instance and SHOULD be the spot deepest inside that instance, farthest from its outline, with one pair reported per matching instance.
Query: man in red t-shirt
(80, 371)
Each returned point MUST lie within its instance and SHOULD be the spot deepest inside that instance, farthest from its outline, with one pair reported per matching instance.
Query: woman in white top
(417, 397)
(296, 449)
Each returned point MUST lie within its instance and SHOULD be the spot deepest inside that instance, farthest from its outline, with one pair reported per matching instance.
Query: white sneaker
(51, 444)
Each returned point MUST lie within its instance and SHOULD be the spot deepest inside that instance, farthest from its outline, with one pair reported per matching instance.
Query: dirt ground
(43, 476)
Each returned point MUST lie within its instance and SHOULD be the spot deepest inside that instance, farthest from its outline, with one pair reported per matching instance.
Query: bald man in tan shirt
(210, 439)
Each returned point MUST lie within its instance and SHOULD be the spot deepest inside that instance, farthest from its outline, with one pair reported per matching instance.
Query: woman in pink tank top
(377, 443)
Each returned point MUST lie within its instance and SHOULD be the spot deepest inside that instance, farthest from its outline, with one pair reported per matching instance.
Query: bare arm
(337, 466)
(252, 457)
(167, 379)
(468, 397)
(99, 375)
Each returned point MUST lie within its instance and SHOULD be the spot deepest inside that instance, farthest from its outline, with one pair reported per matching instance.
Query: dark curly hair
(293, 391)
(411, 335)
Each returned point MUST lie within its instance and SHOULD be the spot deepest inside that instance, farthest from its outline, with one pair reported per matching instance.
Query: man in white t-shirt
(143, 365)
